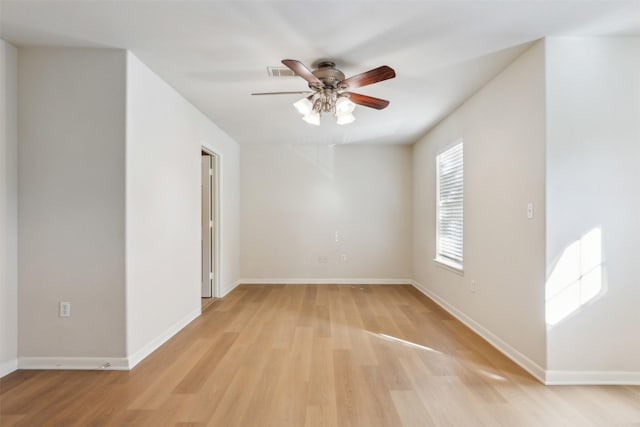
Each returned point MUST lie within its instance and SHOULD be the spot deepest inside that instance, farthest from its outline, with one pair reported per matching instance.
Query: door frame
(215, 200)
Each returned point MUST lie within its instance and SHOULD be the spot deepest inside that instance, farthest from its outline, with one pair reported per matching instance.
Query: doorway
(209, 225)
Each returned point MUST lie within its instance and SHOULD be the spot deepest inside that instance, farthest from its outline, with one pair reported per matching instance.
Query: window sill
(450, 265)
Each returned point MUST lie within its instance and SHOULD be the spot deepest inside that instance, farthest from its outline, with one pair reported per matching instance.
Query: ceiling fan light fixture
(304, 106)
(329, 91)
(345, 119)
(344, 105)
(313, 117)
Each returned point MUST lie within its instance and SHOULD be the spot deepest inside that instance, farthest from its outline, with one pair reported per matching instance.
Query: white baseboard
(105, 363)
(308, 281)
(520, 359)
(84, 363)
(592, 378)
(7, 367)
(150, 347)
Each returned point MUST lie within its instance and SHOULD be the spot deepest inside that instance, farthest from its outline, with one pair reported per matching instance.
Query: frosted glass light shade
(304, 106)
(344, 106)
(345, 119)
(312, 118)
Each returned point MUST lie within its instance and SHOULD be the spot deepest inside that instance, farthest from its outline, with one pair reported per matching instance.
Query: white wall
(164, 136)
(229, 154)
(8, 209)
(71, 125)
(593, 178)
(503, 129)
(303, 202)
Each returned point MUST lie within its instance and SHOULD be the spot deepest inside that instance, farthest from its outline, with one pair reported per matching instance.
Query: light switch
(530, 210)
(64, 309)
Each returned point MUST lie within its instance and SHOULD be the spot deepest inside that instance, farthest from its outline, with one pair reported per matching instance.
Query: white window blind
(450, 204)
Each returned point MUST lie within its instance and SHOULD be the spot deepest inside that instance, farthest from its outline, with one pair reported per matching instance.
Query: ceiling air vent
(280, 72)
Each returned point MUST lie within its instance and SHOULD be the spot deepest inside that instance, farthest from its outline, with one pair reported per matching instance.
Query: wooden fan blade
(369, 77)
(300, 69)
(368, 101)
(300, 92)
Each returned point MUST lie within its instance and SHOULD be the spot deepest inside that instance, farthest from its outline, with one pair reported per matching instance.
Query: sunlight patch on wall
(576, 278)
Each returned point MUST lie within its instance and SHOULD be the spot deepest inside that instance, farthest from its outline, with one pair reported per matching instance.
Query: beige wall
(326, 212)
(71, 122)
(503, 129)
(8, 209)
(593, 183)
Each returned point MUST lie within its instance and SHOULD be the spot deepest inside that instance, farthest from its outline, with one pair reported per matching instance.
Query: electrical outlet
(323, 259)
(472, 287)
(65, 309)
(344, 257)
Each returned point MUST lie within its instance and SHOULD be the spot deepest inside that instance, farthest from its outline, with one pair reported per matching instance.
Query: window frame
(440, 258)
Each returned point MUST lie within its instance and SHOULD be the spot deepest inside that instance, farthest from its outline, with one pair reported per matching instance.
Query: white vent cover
(280, 72)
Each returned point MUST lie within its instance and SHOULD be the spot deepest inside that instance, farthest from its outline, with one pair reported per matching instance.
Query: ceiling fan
(330, 91)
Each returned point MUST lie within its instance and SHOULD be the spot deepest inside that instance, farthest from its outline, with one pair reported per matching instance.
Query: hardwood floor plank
(168, 379)
(380, 407)
(197, 376)
(263, 393)
(316, 355)
(392, 374)
(410, 409)
(360, 343)
(10, 420)
(349, 389)
(340, 335)
(321, 397)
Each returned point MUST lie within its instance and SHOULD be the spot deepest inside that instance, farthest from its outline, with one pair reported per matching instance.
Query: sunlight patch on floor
(405, 342)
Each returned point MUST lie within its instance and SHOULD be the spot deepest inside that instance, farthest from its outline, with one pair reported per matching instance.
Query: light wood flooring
(321, 355)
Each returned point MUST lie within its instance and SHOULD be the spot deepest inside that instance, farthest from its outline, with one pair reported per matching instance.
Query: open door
(207, 225)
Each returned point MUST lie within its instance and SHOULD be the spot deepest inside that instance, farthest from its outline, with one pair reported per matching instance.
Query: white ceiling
(216, 53)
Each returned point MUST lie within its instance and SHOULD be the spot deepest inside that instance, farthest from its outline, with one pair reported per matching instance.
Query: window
(449, 215)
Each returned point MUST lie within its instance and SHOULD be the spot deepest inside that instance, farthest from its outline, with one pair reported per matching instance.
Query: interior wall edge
(8, 208)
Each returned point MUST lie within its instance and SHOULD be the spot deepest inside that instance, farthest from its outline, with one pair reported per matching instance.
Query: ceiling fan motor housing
(328, 74)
